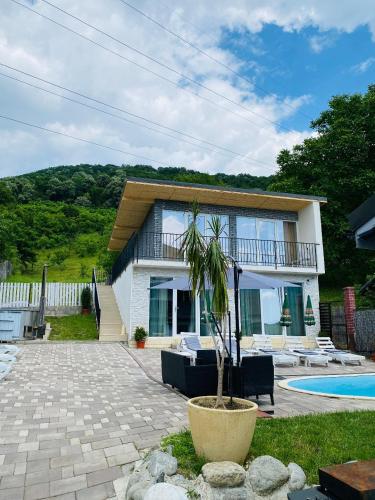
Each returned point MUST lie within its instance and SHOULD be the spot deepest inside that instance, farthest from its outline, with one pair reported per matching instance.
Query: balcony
(268, 253)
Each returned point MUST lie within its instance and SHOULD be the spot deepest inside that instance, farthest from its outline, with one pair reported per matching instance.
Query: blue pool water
(345, 385)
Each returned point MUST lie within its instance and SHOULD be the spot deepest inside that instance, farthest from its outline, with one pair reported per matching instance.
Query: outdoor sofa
(255, 376)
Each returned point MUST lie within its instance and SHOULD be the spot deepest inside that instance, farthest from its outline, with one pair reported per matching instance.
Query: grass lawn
(311, 441)
(75, 327)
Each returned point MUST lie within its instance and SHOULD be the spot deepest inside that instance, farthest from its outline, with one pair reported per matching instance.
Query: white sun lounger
(327, 346)
(263, 345)
(5, 369)
(7, 358)
(9, 349)
(307, 356)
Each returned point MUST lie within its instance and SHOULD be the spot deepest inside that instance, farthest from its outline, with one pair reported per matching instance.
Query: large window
(260, 311)
(161, 309)
(256, 240)
(173, 226)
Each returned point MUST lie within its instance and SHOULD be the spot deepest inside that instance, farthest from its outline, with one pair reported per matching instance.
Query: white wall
(140, 296)
(122, 289)
(310, 230)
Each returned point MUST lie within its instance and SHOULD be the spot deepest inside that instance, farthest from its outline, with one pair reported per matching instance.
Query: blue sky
(306, 62)
(296, 53)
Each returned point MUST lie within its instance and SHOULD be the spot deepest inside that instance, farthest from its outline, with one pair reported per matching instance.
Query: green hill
(63, 216)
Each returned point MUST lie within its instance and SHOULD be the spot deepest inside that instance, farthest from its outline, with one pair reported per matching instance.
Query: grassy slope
(69, 272)
(75, 327)
(311, 441)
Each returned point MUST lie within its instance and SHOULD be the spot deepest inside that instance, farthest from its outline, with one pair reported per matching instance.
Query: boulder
(160, 462)
(164, 491)
(224, 474)
(297, 479)
(266, 474)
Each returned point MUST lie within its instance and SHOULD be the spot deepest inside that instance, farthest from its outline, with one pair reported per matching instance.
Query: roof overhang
(140, 194)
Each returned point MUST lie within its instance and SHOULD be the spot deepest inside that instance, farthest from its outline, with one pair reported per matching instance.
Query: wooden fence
(28, 294)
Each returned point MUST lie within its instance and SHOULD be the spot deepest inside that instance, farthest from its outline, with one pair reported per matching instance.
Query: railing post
(275, 253)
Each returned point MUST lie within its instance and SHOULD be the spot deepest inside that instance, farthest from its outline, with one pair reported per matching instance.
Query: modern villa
(275, 234)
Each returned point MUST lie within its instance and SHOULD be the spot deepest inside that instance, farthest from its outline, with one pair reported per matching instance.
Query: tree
(338, 162)
(208, 264)
(6, 195)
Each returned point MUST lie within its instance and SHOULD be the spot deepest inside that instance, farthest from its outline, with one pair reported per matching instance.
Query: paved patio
(72, 416)
(287, 403)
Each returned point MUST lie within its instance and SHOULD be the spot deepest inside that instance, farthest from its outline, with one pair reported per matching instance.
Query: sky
(263, 70)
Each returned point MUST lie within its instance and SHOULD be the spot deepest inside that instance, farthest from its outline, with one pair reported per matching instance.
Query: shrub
(86, 298)
(140, 334)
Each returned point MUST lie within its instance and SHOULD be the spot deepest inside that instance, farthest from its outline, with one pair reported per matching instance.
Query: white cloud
(363, 66)
(320, 42)
(35, 45)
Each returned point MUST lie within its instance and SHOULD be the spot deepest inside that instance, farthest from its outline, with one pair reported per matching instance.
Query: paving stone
(12, 494)
(36, 491)
(100, 492)
(12, 481)
(68, 485)
(42, 476)
(66, 460)
(103, 476)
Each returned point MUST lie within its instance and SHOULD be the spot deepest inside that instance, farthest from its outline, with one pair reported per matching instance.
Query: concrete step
(111, 326)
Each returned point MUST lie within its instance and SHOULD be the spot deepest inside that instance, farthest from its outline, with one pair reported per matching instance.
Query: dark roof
(363, 213)
(322, 199)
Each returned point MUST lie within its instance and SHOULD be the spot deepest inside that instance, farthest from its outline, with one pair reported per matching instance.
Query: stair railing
(96, 298)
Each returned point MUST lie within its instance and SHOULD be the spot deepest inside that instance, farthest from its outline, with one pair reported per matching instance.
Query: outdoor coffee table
(350, 481)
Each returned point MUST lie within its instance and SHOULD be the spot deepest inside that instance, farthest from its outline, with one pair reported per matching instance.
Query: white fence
(28, 294)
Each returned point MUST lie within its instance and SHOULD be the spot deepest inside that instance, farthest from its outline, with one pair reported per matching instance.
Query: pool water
(360, 386)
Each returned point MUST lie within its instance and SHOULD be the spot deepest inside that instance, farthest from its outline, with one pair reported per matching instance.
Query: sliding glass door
(161, 310)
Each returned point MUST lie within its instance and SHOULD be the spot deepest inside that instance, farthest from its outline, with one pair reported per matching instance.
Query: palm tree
(209, 266)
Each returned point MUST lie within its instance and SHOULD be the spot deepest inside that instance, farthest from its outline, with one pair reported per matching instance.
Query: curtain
(271, 309)
(297, 328)
(160, 324)
(290, 237)
(204, 330)
(251, 322)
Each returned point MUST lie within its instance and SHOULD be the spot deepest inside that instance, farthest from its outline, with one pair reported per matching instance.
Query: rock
(297, 479)
(224, 474)
(266, 474)
(138, 491)
(159, 462)
(164, 491)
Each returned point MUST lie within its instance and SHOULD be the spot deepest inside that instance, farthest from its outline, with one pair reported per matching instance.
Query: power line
(169, 68)
(33, 125)
(232, 153)
(198, 49)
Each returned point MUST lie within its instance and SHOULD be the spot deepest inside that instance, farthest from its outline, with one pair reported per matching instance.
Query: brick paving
(287, 403)
(72, 415)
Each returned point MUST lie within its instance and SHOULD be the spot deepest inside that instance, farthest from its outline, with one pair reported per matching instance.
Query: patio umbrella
(309, 318)
(286, 319)
(247, 281)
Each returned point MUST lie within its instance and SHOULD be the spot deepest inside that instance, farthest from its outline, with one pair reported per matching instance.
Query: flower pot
(140, 344)
(85, 311)
(220, 435)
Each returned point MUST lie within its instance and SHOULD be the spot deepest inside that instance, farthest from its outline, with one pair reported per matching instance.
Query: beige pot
(220, 435)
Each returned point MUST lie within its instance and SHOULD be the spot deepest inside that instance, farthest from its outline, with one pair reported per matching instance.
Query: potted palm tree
(140, 336)
(221, 428)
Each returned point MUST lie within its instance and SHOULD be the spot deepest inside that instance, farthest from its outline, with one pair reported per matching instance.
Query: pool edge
(283, 384)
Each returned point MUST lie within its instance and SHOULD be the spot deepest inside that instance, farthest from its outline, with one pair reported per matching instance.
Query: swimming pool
(359, 386)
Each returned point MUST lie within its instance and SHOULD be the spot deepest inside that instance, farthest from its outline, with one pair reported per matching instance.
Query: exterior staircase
(111, 327)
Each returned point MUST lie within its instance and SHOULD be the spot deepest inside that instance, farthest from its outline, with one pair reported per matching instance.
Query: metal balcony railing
(167, 246)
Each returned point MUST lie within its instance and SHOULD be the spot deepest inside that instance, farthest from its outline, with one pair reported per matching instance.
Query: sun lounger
(307, 356)
(9, 349)
(5, 368)
(327, 346)
(243, 352)
(7, 358)
(263, 344)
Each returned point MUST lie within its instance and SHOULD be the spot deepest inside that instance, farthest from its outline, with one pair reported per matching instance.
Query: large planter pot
(140, 344)
(220, 435)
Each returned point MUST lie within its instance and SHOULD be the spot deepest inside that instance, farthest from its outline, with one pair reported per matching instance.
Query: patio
(287, 403)
(74, 415)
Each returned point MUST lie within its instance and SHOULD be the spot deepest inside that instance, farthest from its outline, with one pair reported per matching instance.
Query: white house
(271, 233)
